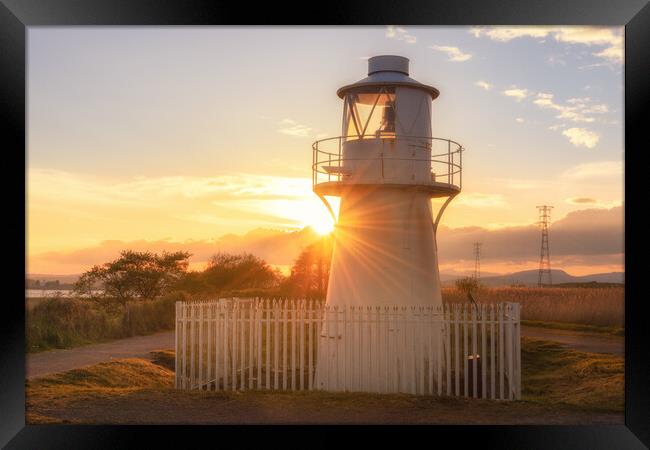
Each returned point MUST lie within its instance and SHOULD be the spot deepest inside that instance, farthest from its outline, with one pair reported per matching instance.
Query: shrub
(69, 322)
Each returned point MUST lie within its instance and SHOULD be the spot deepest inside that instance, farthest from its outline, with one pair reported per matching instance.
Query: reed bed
(592, 306)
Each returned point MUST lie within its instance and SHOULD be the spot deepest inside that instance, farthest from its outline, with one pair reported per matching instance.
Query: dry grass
(560, 386)
(165, 358)
(553, 374)
(604, 307)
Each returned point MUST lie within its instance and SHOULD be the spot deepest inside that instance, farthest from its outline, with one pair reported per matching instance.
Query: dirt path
(43, 363)
(584, 342)
(39, 364)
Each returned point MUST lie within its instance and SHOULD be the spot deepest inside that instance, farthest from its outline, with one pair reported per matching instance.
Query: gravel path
(52, 361)
(43, 363)
(584, 342)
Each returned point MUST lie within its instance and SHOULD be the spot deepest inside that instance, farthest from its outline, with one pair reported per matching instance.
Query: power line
(545, 256)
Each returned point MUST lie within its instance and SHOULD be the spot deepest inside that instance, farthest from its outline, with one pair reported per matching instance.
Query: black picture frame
(17, 15)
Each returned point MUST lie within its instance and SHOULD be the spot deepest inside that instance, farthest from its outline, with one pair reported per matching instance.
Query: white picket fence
(459, 350)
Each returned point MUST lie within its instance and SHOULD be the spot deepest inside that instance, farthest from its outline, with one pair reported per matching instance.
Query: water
(47, 293)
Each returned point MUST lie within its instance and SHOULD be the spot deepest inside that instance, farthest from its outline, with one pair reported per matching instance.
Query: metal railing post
(340, 163)
(460, 175)
(448, 161)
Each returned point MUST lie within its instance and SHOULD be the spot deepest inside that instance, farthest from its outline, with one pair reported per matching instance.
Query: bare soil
(167, 406)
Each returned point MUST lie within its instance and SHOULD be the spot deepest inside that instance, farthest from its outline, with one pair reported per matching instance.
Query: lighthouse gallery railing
(446, 158)
(454, 350)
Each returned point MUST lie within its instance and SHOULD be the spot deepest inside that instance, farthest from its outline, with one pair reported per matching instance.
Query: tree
(134, 275)
(310, 272)
(467, 284)
(226, 272)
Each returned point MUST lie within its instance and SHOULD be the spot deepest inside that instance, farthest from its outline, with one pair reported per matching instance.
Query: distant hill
(529, 278)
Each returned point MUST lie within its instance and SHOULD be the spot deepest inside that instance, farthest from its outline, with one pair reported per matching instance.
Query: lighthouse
(386, 167)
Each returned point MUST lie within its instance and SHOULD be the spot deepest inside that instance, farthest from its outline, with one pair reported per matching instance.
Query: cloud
(400, 33)
(293, 128)
(505, 34)
(582, 137)
(592, 170)
(277, 247)
(581, 200)
(591, 238)
(614, 54)
(454, 53)
(588, 237)
(611, 39)
(517, 93)
(579, 109)
(592, 202)
(68, 210)
(483, 85)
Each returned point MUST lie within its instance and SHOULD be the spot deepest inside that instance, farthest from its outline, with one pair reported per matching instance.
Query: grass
(559, 386)
(553, 374)
(603, 307)
(70, 322)
(615, 331)
(165, 358)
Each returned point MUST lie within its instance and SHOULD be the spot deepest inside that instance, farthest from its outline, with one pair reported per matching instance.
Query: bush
(70, 322)
(61, 323)
(147, 317)
(467, 284)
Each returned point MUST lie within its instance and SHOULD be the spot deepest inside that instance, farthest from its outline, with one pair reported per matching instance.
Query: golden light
(323, 227)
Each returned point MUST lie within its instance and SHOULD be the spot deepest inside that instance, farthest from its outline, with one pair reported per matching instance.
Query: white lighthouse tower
(385, 167)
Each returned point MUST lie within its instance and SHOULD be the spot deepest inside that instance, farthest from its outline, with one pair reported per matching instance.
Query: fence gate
(454, 350)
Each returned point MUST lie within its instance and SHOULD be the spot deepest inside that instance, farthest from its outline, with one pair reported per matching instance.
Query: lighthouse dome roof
(388, 70)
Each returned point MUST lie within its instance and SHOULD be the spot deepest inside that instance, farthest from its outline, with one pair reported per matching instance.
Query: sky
(152, 137)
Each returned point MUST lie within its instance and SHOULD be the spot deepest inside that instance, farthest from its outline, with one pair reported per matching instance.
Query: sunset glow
(152, 144)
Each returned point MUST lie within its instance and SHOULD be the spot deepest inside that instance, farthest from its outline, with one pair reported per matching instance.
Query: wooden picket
(237, 344)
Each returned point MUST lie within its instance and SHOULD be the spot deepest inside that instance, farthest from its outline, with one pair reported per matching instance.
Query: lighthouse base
(383, 350)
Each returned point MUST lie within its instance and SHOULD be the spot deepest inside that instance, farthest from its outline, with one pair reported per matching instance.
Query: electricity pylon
(477, 261)
(545, 257)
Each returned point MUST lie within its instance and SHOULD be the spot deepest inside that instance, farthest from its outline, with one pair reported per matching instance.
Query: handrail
(323, 158)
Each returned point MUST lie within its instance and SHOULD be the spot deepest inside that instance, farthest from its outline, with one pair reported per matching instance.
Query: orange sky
(135, 138)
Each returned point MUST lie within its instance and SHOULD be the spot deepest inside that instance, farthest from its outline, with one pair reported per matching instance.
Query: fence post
(501, 352)
(447, 345)
(217, 346)
(472, 312)
(251, 342)
(492, 353)
(200, 347)
(465, 352)
(483, 353)
(518, 349)
(509, 350)
(310, 344)
(302, 344)
(176, 347)
(293, 344)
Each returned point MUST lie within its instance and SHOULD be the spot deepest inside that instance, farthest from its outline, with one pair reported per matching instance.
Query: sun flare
(322, 227)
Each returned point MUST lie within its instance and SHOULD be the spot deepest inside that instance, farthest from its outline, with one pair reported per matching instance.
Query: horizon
(132, 134)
